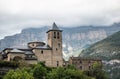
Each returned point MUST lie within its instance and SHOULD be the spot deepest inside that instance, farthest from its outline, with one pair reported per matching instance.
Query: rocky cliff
(74, 38)
(109, 51)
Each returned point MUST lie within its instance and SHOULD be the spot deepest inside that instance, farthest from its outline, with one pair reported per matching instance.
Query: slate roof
(45, 47)
(85, 58)
(54, 27)
(17, 50)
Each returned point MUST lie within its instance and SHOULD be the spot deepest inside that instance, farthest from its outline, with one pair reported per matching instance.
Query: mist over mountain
(74, 38)
(109, 51)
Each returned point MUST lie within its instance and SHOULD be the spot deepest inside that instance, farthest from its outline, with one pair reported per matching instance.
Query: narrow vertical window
(56, 49)
(81, 67)
(89, 67)
(80, 62)
(58, 44)
(42, 52)
(57, 63)
(54, 34)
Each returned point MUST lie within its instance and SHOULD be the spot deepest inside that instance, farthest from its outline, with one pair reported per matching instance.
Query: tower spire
(54, 27)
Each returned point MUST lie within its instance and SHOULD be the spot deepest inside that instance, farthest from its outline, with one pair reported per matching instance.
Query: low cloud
(19, 14)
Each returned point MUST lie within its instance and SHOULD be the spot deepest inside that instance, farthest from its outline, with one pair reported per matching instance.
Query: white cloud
(15, 14)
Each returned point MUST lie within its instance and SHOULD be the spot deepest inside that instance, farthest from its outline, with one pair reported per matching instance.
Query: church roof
(54, 27)
(43, 47)
(85, 58)
(16, 50)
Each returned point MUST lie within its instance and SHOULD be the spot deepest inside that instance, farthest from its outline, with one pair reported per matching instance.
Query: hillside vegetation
(40, 71)
(109, 51)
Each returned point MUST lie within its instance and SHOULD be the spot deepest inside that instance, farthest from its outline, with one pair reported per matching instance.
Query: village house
(84, 64)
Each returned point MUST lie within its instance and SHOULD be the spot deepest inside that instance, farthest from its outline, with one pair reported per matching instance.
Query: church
(50, 53)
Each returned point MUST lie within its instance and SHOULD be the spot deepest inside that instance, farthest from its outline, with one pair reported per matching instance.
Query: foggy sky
(16, 15)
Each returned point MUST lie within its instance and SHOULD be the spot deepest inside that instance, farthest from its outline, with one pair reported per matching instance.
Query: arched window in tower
(58, 44)
(42, 52)
(58, 35)
(56, 49)
(54, 34)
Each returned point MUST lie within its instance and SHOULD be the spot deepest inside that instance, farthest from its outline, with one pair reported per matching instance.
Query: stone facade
(44, 55)
(84, 64)
(50, 53)
(55, 42)
(15, 56)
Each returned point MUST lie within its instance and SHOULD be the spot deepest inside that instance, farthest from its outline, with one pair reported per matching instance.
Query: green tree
(67, 73)
(71, 67)
(76, 74)
(18, 74)
(98, 72)
(39, 72)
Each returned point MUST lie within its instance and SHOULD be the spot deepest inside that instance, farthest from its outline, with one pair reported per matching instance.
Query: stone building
(84, 64)
(50, 53)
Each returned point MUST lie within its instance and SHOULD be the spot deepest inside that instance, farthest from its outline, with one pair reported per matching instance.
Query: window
(80, 61)
(58, 44)
(42, 52)
(54, 34)
(57, 63)
(56, 49)
(89, 67)
(81, 67)
(89, 61)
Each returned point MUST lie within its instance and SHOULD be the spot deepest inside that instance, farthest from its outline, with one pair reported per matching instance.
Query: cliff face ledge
(74, 38)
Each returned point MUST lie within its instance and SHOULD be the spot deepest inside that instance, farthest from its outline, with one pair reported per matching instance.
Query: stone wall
(44, 55)
(11, 56)
(31, 61)
(84, 64)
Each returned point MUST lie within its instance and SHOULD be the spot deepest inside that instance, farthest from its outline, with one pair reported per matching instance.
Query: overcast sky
(16, 15)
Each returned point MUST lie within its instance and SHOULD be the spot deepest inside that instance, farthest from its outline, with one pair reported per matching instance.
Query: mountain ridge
(74, 38)
(110, 45)
(108, 50)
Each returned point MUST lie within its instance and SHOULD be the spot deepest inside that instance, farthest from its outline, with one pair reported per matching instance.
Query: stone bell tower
(54, 41)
